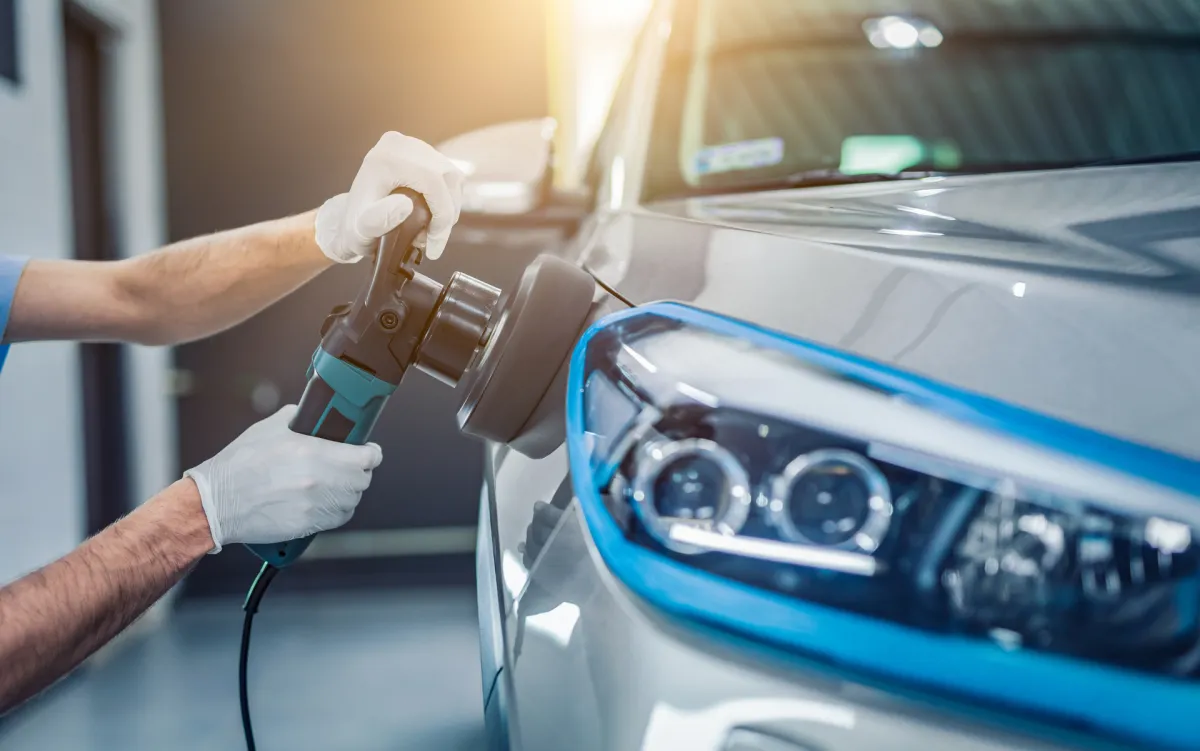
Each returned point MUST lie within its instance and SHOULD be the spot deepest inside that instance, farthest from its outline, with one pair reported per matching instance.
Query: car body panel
(1079, 298)
(487, 593)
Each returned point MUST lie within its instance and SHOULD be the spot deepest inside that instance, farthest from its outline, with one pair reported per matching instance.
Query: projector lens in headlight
(692, 482)
(890, 524)
(832, 497)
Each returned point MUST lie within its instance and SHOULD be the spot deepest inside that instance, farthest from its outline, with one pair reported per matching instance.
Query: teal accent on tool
(346, 401)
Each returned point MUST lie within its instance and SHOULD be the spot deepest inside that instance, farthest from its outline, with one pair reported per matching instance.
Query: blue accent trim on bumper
(1129, 705)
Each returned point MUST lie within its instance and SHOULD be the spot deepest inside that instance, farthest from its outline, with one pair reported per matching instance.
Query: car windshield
(774, 93)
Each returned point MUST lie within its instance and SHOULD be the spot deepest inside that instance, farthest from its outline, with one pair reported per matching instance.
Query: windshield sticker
(740, 155)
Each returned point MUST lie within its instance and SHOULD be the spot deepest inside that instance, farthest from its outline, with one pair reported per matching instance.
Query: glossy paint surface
(1073, 293)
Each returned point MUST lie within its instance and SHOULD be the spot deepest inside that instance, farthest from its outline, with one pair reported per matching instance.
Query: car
(886, 430)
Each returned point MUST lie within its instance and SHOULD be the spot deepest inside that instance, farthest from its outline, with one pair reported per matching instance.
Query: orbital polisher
(510, 354)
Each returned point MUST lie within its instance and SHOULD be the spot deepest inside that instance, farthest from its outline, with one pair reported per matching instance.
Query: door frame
(89, 94)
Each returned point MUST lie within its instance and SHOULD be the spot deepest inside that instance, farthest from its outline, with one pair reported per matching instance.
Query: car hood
(1075, 293)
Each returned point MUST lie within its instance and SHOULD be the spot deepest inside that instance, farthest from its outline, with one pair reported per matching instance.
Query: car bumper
(588, 665)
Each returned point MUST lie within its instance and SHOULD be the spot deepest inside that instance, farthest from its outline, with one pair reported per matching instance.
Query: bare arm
(52, 619)
(185, 291)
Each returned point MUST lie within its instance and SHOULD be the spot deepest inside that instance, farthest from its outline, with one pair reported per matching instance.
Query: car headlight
(890, 525)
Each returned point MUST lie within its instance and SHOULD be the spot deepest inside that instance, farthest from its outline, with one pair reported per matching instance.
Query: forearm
(186, 291)
(199, 287)
(52, 619)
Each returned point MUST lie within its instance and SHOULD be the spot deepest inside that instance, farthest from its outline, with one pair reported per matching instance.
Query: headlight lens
(834, 498)
(811, 487)
(689, 482)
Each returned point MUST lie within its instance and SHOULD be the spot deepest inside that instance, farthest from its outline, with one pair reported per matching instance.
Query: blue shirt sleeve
(10, 273)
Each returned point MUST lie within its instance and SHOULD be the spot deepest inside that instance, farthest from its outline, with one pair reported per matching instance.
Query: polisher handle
(342, 401)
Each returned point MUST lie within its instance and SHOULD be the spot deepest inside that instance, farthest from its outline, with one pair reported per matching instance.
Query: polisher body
(511, 357)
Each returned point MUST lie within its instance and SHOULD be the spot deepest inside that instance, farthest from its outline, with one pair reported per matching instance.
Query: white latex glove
(273, 485)
(348, 225)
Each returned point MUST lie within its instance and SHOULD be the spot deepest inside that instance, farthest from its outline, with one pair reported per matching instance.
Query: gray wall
(42, 506)
(270, 106)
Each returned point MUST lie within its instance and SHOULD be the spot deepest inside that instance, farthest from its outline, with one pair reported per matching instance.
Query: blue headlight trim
(1130, 705)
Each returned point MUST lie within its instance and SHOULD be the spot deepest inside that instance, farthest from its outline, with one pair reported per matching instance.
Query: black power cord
(253, 598)
(610, 290)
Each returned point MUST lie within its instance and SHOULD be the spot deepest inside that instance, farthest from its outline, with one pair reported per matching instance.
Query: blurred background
(127, 124)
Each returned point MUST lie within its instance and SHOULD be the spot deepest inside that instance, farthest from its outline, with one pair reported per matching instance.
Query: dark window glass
(757, 91)
(9, 67)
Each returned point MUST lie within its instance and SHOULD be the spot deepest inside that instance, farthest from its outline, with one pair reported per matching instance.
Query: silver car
(911, 460)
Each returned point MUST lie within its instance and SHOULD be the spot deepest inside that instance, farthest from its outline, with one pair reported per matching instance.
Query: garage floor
(363, 671)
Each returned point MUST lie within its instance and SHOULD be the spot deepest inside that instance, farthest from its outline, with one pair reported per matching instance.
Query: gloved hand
(273, 485)
(348, 225)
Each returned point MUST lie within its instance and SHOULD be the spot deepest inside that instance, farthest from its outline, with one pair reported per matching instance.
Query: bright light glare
(597, 40)
(514, 574)
(558, 624)
(698, 395)
(895, 32)
(774, 550)
(703, 727)
(501, 189)
(591, 14)
(910, 233)
(616, 182)
(1168, 536)
(899, 33)
(639, 358)
(465, 167)
(925, 212)
(1019, 289)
